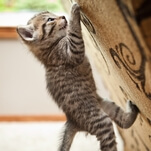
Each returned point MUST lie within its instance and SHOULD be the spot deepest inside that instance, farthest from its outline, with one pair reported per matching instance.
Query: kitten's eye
(50, 19)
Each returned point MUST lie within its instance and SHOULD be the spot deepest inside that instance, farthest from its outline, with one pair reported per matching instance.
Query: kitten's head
(43, 29)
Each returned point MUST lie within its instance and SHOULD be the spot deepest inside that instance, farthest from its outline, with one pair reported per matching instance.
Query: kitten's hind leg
(102, 128)
(121, 118)
(68, 136)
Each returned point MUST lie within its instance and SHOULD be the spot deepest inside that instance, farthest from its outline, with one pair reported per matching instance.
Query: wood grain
(32, 118)
(8, 32)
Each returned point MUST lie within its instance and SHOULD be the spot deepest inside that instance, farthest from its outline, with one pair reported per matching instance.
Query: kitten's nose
(63, 17)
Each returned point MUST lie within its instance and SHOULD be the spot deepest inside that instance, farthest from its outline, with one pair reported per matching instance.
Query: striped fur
(70, 80)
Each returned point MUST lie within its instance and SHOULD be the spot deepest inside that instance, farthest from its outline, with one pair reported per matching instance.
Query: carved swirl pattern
(123, 57)
(92, 32)
(87, 23)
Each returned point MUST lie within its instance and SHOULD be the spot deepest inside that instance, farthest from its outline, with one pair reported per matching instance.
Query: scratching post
(118, 41)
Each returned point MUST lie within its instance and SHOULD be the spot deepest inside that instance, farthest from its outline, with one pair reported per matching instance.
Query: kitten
(60, 48)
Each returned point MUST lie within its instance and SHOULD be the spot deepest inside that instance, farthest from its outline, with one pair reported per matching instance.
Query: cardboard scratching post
(118, 40)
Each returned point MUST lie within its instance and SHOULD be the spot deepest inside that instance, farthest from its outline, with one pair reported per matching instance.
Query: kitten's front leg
(75, 43)
(74, 23)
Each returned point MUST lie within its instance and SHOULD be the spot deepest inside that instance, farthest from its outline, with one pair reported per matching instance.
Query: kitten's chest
(59, 80)
(67, 76)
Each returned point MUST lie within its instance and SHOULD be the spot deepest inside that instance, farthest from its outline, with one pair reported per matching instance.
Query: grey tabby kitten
(60, 48)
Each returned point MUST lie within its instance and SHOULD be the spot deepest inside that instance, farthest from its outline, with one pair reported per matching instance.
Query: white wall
(22, 82)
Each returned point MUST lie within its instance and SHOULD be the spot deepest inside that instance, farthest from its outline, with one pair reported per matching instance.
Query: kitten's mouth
(64, 27)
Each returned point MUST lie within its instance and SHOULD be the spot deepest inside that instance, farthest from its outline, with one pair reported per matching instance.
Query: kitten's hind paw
(131, 107)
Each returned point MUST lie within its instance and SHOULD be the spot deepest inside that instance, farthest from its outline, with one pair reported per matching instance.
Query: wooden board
(118, 41)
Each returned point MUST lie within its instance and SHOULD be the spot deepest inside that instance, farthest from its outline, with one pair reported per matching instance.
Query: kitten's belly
(68, 89)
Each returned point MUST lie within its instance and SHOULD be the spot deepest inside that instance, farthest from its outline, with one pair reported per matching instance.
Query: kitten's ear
(26, 32)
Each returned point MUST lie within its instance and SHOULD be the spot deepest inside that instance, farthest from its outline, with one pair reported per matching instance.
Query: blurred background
(30, 5)
(22, 78)
(29, 118)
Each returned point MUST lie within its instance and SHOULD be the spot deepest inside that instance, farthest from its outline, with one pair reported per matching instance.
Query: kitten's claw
(75, 8)
(131, 107)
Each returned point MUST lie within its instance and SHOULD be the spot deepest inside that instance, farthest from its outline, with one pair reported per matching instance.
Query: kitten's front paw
(131, 107)
(75, 8)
